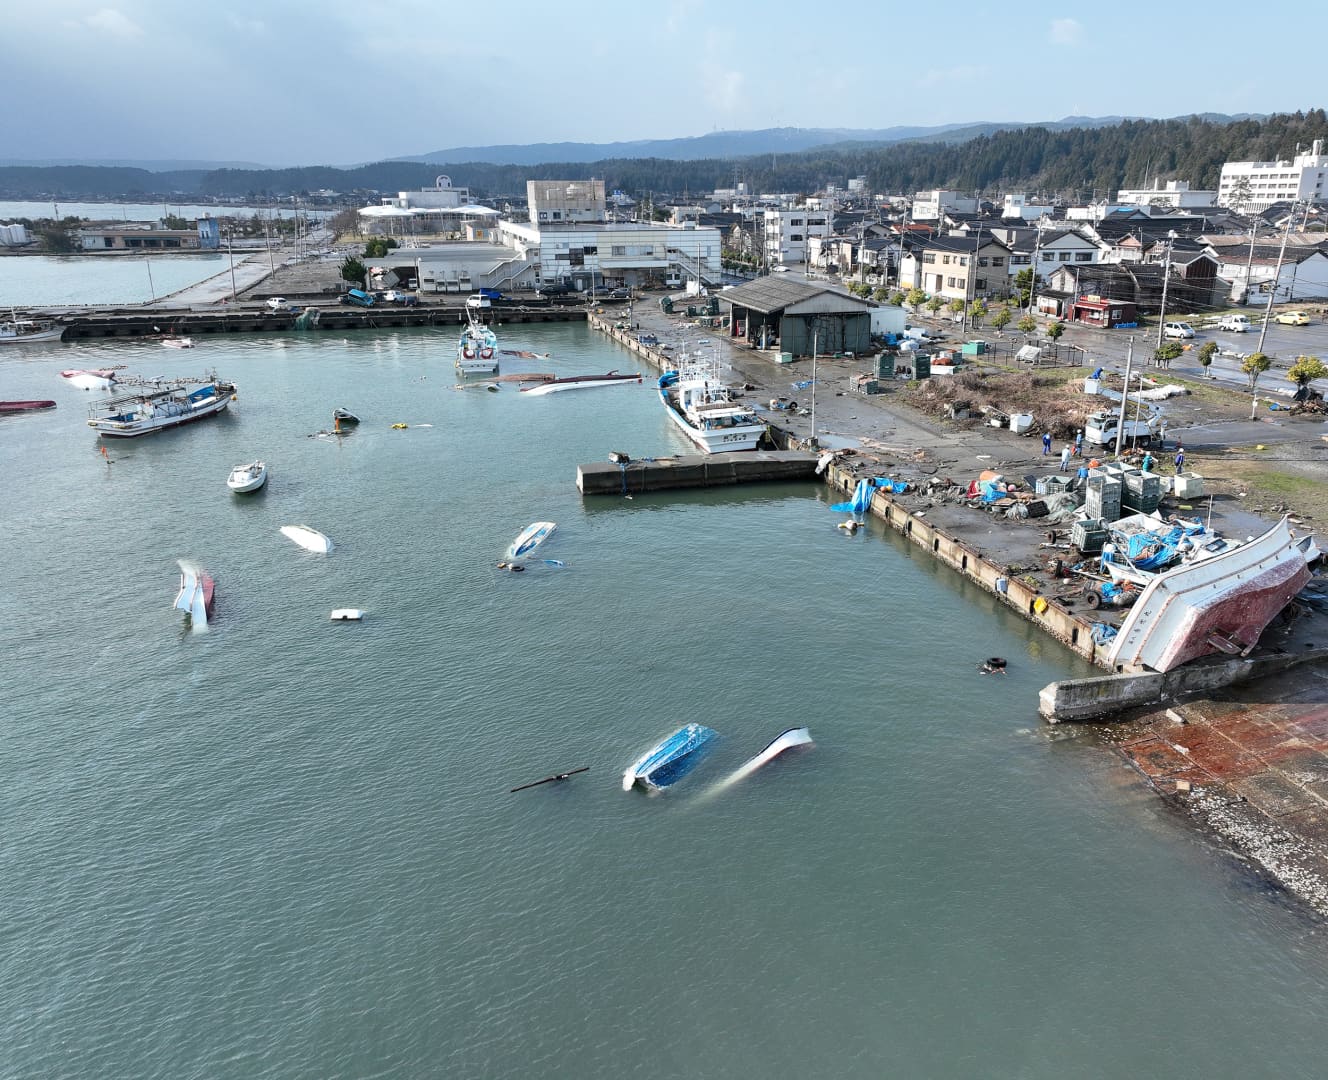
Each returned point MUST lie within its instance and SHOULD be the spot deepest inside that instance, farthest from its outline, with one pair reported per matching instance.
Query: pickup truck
(1101, 428)
(1235, 324)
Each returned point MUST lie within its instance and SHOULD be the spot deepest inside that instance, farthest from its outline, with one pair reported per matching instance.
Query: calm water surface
(286, 847)
(56, 280)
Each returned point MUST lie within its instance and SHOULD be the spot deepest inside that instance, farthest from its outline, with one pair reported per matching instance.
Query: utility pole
(231, 255)
(815, 338)
(1249, 262)
(1277, 276)
(1166, 278)
(1125, 397)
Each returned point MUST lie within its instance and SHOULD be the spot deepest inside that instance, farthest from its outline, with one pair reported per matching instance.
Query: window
(1048, 256)
(929, 257)
(950, 283)
(945, 259)
(1065, 256)
(1083, 256)
(983, 261)
(618, 249)
(980, 285)
(998, 260)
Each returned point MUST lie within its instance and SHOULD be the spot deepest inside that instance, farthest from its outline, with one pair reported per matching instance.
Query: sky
(337, 82)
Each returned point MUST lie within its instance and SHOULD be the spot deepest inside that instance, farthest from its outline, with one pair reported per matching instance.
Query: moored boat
(160, 404)
(531, 537)
(580, 382)
(307, 538)
(25, 406)
(196, 595)
(669, 761)
(249, 477)
(705, 409)
(23, 331)
(1219, 604)
(477, 351)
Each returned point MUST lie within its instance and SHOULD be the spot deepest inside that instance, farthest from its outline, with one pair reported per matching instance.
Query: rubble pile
(990, 396)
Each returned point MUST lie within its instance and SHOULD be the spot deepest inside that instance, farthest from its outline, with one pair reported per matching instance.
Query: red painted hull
(25, 406)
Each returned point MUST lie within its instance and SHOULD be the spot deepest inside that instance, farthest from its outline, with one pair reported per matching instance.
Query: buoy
(850, 526)
(993, 665)
(400, 427)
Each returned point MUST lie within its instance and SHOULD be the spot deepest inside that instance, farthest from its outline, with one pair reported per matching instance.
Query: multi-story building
(602, 255)
(1175, 193)
(1252, 186)
(554, 202)
(964, 268)
(933, 205)
(786, 233)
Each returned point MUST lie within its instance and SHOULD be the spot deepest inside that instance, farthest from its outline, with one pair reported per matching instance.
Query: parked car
(277, 303)
(553, 290)
(620, 294)
(1235, 324)
(1292, 318)
(1177, 330)
(358, 297)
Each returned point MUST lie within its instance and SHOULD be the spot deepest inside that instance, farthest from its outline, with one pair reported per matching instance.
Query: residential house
(964, 268)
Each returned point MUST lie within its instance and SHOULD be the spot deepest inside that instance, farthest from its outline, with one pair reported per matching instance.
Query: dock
(695, 471)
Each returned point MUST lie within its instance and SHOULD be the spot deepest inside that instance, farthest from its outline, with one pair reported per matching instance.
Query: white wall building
(786, 233)
(1175, 193)
(442, 196)
(1017, 206)
(553, 202)
(15, 235)
(930, 205)
(616, 254)
(1251, 186)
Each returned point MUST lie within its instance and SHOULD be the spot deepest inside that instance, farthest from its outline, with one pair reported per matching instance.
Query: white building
(442, 196)
(1252, 186)
(786, 233)
(1175, 193)
(610, 255)
(14, 235)
(1018, 207)
(553, 202)
(931, 205)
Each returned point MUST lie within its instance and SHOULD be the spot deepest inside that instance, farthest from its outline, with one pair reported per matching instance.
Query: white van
(277, 303)
(1177, 330)
(1235, 324)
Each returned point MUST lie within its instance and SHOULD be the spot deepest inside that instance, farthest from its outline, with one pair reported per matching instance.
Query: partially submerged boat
(347, 614)
(177, 342)
(706, 409)
(530, 538)
(24, 331)
(196, 595)
(1221, 603)
(26, 406)
(477, 351)
(244, 478)
(90, 378)
(345, 417)
(580, 382)
(785, 740)
(160, 404)
(307, 538)
(669, 761)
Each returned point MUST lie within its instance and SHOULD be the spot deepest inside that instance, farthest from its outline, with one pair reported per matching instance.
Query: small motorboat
(580, 382)
(196, 595)
(532, 536)
(249, 477)
(90, 379)
(345, 417)
(25, 406)
(669, 761)
(347, 614)
(307, 538)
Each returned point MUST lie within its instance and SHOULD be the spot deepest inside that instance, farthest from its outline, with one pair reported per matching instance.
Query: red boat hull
(25, 406)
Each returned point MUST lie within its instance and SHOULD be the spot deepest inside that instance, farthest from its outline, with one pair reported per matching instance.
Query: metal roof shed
(790, 313)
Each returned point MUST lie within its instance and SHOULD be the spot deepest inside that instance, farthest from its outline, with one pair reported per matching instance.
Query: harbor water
(60, 280)
(286, 847)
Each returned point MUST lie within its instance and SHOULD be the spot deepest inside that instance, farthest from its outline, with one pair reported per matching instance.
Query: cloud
(1066, 31)
(110, 21)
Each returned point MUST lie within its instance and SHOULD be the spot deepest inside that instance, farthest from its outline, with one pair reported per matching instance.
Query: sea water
(286, 847)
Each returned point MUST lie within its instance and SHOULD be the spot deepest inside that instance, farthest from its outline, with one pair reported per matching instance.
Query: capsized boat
(249, 477)
(196, 595)
(177, 342)
(785, 740)
(160, 404)
(90, 379)
(345, 417)
(530, 538)
(669, 761)
(307, 538)
(347, 614)
(580, 382)
(23, 331)
(1219, 604)
(25, 406)
(706, 410)
(477, 351)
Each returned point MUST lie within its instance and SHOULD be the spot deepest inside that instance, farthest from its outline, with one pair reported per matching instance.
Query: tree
(1306, 369)
(1002, 318)
(955, 306)
(1026, 324)
(353, 270)
(881, 295)
(977, 311)
(57, 238)
(934, 304)
(915, 298)
(1206, 353)
(378, 247)
(1168, 351)
(897, 298)
(1255, 365)
(1025, 281)
(1055, 330)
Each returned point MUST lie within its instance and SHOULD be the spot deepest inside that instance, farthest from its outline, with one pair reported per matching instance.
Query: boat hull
(531, 537)
(89, 380)
(1220, 604)
(580, 382)
(307, 538)
(25, 406)
(146, 414)
(669, 761)
(23, 331)
(247, 478)
(711, 437)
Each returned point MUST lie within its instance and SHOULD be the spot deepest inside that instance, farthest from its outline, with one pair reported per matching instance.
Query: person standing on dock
(1046, 443)
(1065, 457)
(1078, 443)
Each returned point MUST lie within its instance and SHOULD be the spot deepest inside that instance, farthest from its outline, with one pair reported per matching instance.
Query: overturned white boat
(307, 538)
(531, 537)
(347, 614)
(785, 740)
(196, 595)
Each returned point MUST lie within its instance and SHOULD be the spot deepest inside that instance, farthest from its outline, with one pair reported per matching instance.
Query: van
(1177, 330)
(358, 297)
(1235, 324)
(479, 300)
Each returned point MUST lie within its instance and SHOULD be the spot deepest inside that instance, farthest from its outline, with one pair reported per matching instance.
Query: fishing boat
(1219, 604)
(785, 740)
(531, 537)
(25, 406)
(249, 477)
(669, 761)
(23, 331)
(477, 351)
(580, 382)
(90, 378)
(344, 417)
(706, 410)
(307, 538)
(160, 404)
(196, 595)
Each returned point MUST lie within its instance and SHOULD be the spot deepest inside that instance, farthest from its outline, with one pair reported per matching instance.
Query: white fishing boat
(530, 538)
(307, 538)
(90, 378)
(580, 382)
(196, 595)
(17, 331)
(249, 477)
(706, 409)
(477, 351)
(160, 404)
(1218, 604)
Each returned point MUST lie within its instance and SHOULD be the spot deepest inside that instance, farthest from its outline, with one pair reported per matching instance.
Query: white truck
(1101, 428)
(1235, 324)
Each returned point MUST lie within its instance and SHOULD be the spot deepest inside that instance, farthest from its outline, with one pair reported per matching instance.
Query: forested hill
(1077, 163)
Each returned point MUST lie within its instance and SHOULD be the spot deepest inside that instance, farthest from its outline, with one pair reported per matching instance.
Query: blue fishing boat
(669, 761)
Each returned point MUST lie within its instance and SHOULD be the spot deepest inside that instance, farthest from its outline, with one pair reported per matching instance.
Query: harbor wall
(695, 470)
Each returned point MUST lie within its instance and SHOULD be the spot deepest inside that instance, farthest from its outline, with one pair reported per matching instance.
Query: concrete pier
(695, 471)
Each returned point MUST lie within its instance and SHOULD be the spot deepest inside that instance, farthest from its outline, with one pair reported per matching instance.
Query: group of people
(1076, 449)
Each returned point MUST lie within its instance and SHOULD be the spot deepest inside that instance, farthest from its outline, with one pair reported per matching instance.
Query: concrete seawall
(695, 470)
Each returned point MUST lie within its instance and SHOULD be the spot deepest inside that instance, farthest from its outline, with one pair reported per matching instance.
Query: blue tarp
(804, 385)
(1103, 633)
(861, 502)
